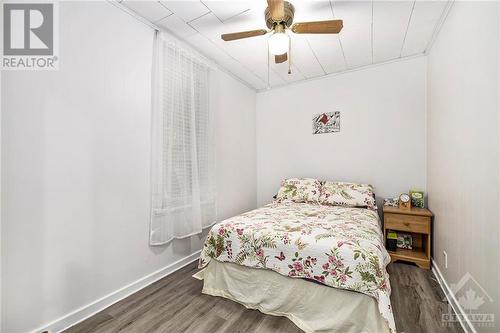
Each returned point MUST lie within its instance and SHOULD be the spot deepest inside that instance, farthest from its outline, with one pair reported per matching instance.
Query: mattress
(339, 247)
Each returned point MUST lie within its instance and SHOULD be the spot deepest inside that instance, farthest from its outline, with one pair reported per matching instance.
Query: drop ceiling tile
(186, 10)
(390, 23)
(227, 9)
(392, 13)
(253, 54)
(251, 19)
(221, 58)
(357, 45)
(328, 51)
(274, 78)
(353, 13)
(270, 76)
(303, 57)
(211, 27)
(208, 48)
(312, 55)
(424, 20)
(251, 51)
(428, 10)
(177, 26)
(318, 10)
(245, 74)
(282, 71)
(417, 39)
(356, 34)
(150, 10)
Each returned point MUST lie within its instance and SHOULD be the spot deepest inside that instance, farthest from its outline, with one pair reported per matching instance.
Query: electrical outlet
(445, 255)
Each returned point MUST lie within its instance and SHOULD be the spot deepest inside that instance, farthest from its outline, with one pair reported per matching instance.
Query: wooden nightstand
(417, 222)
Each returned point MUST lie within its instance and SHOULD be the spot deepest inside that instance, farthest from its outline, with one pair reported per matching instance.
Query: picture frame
(326, 122)
(417, 198)
(405, 241)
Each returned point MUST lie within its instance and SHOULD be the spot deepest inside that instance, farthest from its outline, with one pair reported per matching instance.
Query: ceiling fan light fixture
(278, 43)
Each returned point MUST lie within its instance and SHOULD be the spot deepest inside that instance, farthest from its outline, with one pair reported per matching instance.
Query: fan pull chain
(289, 55)
(268, 80)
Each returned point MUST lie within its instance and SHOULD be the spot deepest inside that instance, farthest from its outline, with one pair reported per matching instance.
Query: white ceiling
(374, 32)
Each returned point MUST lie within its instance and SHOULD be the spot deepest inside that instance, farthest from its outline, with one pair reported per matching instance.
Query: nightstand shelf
(417, 253)
(417, 222)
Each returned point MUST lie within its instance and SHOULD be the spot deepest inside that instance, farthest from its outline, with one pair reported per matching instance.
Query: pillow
(347, 194)
(299, 190)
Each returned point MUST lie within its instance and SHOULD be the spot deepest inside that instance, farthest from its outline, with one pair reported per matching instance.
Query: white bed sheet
(313, 307)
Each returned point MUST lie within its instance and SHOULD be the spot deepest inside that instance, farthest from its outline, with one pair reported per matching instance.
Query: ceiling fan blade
(276, 9)
(243, 34)
(280, 58)
(319, 27)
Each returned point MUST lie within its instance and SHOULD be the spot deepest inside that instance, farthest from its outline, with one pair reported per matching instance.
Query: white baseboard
(91, 309)
(450, 296)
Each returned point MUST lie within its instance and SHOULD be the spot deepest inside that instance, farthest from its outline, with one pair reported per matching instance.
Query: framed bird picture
(327, 122)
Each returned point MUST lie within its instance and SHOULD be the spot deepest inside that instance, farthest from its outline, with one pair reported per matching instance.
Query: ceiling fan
(279, 18)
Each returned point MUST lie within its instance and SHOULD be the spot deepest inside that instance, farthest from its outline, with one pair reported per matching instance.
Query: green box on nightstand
(392, 241)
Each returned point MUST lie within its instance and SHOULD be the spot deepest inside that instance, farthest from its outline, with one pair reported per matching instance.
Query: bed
(322, 266)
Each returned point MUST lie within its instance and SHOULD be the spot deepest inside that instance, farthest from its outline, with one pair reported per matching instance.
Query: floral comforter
(340, 247)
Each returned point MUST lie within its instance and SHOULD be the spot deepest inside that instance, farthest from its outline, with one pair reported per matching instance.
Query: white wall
(382, 135)
(75, 168)
(235, 145)
(463, 146)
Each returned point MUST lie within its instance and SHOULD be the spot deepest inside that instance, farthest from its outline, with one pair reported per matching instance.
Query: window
(183, 172)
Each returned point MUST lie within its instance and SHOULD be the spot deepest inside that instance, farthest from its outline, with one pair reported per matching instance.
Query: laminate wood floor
(175, 304)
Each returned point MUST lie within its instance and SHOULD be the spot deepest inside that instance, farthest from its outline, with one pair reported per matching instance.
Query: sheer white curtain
(183, 164)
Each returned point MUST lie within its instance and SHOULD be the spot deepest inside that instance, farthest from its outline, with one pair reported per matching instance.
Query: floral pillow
(347, 194)
(299, 190)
